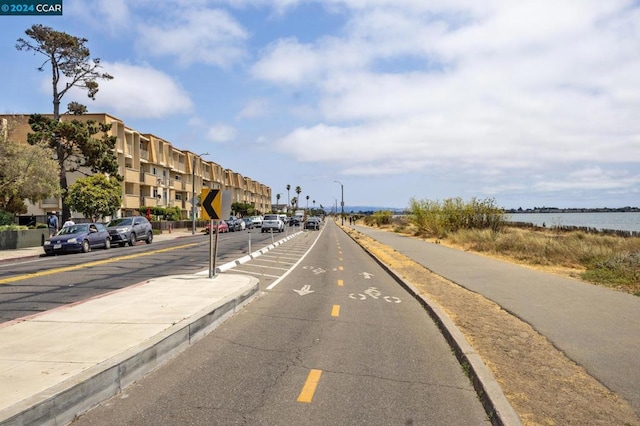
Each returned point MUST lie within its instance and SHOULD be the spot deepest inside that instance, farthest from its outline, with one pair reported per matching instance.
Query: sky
(532, 102)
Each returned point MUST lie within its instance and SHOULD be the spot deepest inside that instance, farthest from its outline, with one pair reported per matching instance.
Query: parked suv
(130, 230)
(272, 223)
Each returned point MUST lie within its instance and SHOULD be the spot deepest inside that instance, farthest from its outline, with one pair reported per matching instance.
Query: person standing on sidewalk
(52, 222)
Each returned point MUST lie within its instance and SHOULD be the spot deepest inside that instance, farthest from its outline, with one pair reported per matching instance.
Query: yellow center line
(309, 388)
(89, 264)
(335, 311)
(340, 268)
(340, 283)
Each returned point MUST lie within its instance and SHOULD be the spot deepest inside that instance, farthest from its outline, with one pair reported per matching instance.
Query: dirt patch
(541, 383)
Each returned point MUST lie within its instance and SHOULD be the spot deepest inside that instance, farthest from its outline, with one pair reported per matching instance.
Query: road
(37, 285)
(333, 340)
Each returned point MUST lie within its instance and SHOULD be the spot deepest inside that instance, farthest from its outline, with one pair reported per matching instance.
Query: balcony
(132, 176)
(148, 201)
(131, 201)
(148, 179)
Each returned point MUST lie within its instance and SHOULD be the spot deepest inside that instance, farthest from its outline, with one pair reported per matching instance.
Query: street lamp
(342, 200)
(193, 191)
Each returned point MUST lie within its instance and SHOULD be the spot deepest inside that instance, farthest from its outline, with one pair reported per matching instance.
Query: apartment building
(155, 172)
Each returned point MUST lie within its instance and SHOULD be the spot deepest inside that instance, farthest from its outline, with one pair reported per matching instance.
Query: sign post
(212, 210)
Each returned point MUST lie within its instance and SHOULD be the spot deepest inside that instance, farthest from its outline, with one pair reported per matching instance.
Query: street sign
(211, 204)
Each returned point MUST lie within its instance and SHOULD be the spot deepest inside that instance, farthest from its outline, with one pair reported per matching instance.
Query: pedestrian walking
(52, 222)
(68, 222)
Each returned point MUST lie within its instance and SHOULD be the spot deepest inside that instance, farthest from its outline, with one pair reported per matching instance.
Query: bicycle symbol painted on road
(316, 271)
(374, 293)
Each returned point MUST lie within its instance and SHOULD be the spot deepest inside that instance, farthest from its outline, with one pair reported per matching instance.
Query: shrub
(6, 218)
(437, 219)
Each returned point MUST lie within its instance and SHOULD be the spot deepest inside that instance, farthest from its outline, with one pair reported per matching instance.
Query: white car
(272, 223)
(257, 221)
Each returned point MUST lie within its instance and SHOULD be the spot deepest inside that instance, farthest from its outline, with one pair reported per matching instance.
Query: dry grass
(605, 260)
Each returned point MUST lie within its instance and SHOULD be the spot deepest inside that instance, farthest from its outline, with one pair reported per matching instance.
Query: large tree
(26, 172)
(95, 196)
(68, 57)
(71, 66)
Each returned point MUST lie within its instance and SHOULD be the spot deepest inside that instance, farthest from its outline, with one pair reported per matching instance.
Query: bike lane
(596, 327)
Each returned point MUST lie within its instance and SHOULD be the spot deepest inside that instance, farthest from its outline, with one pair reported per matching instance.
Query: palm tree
(277, 198)
(294, 200)
(298, 191)
(307, 202)
(288, 200)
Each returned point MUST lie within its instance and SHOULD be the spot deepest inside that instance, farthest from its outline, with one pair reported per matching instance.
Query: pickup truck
(272, 223)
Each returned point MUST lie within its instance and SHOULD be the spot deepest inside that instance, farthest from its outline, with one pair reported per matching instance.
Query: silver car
(130, 230)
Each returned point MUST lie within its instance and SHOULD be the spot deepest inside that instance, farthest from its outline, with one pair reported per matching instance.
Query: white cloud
(507, 88)
(221, 133)
(590, 178)
(211, 37)
(256, 108)
(137, 92)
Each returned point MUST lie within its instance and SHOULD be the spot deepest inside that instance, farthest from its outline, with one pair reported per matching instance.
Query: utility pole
(342, 200)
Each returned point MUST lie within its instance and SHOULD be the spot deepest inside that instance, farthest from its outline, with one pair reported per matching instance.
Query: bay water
(621, 221)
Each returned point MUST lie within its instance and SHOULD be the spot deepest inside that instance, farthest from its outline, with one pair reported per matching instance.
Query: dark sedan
(78, 238)
(312, 223)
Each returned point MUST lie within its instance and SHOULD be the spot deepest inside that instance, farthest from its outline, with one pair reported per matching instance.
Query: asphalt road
(334, 341)
(31, 286)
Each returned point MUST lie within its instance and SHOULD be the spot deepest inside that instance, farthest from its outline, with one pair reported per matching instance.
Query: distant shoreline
(575, 210)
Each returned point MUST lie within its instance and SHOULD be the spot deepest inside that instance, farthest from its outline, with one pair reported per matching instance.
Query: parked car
(130, 230)
(78, 238)
(222, 225)
(234, 224)
(248, 223)
(257, 221)
(272, 223)
(312, 222)
(294, 221)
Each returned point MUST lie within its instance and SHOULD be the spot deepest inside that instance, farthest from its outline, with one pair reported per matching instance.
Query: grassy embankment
(480, 226)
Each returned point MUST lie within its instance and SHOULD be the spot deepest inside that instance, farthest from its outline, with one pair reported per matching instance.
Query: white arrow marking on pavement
(304, 290)
(367, 276)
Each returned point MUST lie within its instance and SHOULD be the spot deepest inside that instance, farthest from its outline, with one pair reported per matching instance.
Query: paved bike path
(596, 327)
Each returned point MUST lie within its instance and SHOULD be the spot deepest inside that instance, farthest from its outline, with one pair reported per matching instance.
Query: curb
(495, 403)
(63, 402)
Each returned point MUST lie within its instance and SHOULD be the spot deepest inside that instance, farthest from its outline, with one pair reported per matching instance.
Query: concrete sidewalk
(58, 364)
(596, 327)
